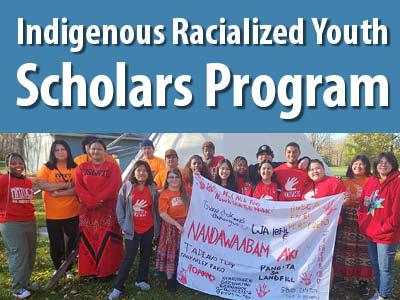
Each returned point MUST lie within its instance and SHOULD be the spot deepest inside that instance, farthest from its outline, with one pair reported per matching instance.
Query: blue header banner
(206, 66)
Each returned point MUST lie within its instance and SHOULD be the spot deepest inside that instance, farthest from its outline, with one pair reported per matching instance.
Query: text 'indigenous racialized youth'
(123, 89)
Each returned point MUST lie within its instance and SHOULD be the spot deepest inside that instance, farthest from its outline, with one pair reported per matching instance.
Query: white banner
(239, 247)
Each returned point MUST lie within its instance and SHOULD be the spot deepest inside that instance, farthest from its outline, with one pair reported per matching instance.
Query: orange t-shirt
(161, 178)
(156, 164)
(57, 208)
(80, 159)
(355, 187)
(170, 202)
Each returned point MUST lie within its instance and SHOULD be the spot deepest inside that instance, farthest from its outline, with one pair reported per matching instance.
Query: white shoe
(375, 296)
(144, 286)
(21, 294)
(69, 275)
(114, 295)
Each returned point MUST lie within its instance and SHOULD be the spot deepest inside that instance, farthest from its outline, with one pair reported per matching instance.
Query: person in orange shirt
(171, 159)
(84, 157)
(55, 179)
(173, 206)
(156, 164)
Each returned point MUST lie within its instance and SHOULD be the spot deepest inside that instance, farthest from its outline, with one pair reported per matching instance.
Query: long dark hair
(138, 164)
(187, 173)
(52, 162)
(364, 160)
(182, 189)
(231, 181)
(390, 158)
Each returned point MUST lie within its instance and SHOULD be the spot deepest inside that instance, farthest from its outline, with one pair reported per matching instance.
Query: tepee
(229, 145)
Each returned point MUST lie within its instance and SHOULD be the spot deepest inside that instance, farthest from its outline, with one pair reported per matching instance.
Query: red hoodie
(379, 213)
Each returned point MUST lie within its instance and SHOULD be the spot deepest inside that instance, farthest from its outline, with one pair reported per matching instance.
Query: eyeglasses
(174, 177)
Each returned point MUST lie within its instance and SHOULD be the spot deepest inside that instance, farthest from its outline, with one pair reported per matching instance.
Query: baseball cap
(146, 143)
(265, 149)
(171, 152)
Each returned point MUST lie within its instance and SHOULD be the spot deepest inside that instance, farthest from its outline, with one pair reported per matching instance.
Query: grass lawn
(86, 289)
(339, 171)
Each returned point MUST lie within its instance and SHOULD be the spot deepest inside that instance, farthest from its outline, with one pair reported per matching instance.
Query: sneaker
(363, 288)
(114, 295)
(144, 286)
(375, 296)
(69, 275)
(21, 294)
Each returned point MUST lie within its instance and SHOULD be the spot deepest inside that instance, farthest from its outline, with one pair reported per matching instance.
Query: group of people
(86, 201)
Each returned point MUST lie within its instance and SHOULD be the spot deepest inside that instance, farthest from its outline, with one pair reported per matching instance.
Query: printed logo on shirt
(310, 194)
(290, 189)
(21, 195)
(176, 201)
(65, 177)
(373, 203)
(358, 190)
(92, 172)
(266, 197)
(139, 208)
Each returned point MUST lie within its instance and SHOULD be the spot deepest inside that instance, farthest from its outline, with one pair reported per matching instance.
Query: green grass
(339, 171)
(85, 289)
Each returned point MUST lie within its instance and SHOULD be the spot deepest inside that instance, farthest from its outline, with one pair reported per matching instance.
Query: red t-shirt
(18, 206)
(242, 184)
(328, 186)
(264, 191)
(292, 181)
(143, 218)
(214, 163)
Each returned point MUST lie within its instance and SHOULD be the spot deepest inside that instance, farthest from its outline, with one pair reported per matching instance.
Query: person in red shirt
(267, 187)
(291, 178)
(195, 165)
(210, 158)
(379, 220)
(18, 224)
(225, 176)
(241, 171)
(97, 183)
(321, 185)
(137, 213)
(173, 207)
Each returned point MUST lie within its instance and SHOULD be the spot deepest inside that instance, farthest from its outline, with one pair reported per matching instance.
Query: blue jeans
(383, 261)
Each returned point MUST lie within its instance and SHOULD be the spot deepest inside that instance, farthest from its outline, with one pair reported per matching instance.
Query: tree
(370, 144)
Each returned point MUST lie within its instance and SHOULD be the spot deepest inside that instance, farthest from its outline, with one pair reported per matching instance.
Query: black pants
(56, 230)
(131, 249)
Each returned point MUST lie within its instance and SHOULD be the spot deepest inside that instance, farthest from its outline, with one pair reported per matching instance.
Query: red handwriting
(262, 290)
(215, 236)
(288, 254)
(330, 208)
(201, 273)
(182, 276)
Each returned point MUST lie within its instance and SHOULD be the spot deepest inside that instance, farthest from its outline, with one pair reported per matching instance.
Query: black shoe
(171, 285)
(363, 288)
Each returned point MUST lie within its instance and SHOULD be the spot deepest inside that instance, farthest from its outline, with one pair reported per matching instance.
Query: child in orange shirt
(173, 207)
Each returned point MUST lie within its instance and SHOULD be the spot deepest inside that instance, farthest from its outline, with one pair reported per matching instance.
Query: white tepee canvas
(229, 145)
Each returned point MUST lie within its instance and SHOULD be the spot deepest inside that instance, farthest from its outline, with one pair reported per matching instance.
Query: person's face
(292, 154)
(316, 172)
(171, 161)
(196, 165)
(174, 180)
(16, 166)
(266, 171)
(60, 153)
(141, 174)
(148, 151)
(224, 171)
(264, 156)
(358, 168)
(97, 151)
(208, 152)
(384, 167)
(242, 167)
